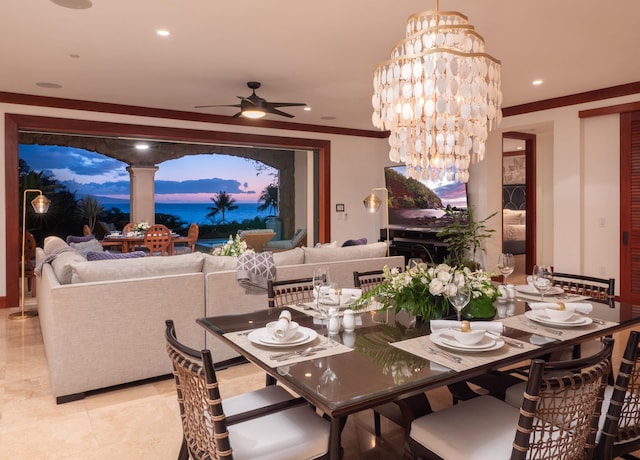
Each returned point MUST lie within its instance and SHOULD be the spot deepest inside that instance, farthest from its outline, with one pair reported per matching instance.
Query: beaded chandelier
(439, 96)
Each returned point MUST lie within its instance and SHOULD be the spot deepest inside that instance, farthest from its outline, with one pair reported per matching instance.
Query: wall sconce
(372, 204)
(40, 206)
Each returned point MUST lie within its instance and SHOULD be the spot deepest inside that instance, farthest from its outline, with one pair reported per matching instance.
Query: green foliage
(90, 208)
(464, 236)
(408, 193)
(269, 199)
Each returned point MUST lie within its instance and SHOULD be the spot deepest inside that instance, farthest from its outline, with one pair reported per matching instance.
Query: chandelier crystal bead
(438, 96)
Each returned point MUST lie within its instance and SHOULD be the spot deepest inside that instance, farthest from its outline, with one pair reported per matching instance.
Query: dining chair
(128, 228)
(367, 280)
(192, 239)
(29, 262)
(620, 424)
(157, 239)
(597, 288)
(267, 423)
(281, 293)
(558, 416)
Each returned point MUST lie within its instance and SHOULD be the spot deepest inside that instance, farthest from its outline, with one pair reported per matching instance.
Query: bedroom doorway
(518, 201)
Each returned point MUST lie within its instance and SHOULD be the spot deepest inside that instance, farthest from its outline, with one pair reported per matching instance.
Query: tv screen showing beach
(420, 203)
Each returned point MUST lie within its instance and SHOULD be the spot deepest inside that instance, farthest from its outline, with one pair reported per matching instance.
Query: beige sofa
(103, 321)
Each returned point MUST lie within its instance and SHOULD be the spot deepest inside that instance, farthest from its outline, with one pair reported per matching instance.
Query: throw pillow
(62, 265)
(357, 242)
(88, 246)
(53, 245)
(80, 239)
(292, 257)
(105, 255)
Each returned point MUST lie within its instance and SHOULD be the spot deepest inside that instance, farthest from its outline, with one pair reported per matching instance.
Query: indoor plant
(421, 291)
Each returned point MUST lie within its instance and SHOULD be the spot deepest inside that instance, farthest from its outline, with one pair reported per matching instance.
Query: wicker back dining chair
(157, 239)
(281, 293)
(589, 286)
(620, 433)
(558, 416)
(367, 280)
(278, 425)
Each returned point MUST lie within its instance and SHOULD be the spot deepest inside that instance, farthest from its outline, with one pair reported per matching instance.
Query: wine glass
(328, 305)
(319, 276)
(506, 265)
(459, 293)
(542, 279)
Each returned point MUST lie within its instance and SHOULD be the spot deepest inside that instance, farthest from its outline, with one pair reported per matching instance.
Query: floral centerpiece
(233, 247)
(141, 226)
(421, 291)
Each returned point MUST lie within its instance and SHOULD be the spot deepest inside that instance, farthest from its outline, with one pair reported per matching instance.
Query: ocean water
(196, 212)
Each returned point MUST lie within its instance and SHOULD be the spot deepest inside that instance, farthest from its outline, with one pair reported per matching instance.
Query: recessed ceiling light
(142, 146)
(46, 84)
(73, 55)
(536, 82)
(163, 33)
(75, 4)
(307, 109)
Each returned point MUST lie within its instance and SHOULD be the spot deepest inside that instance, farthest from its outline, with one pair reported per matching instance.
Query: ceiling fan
(256, 107)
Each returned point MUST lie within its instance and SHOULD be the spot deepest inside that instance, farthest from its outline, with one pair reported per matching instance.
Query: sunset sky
(191, 179)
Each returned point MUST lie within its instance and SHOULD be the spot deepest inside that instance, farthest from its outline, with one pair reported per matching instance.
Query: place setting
(460, 345)
(285, 342)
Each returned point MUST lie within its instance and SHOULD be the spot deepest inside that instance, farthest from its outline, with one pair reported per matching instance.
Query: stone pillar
(142, 190)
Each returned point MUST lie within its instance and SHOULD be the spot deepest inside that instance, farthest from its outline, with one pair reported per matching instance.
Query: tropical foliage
(222, 203)
(90, 208)
(269, 199)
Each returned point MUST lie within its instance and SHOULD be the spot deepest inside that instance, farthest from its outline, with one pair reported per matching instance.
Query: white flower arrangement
(233, 247)
(141, 226)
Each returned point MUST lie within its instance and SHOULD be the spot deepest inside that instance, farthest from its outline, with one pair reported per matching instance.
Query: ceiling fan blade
(237, 115)
(286, 104)
(278, 112)
(224, 105)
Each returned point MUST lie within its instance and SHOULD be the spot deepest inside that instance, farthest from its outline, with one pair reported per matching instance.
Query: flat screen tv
(421, 203)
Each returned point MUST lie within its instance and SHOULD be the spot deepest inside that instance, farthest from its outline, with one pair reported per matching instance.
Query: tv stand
(412, 242)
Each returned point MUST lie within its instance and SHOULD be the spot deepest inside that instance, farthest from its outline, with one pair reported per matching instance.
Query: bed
(514, 216)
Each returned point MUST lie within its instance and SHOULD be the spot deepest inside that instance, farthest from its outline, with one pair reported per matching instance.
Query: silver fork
(454, 358)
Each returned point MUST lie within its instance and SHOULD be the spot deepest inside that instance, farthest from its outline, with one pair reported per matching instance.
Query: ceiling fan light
(253, 113)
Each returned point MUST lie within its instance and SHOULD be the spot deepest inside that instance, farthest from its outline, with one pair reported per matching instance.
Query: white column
(142, 190)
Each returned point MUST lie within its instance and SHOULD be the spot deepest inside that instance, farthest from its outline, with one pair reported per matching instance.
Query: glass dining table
(390, 357)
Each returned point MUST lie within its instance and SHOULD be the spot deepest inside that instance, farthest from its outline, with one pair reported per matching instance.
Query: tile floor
(133, 422)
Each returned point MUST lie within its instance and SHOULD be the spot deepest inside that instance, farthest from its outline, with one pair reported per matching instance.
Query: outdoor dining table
(131, 242)
(387, 358)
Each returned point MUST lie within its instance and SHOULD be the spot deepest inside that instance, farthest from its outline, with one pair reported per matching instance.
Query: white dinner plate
(444, 338)
(262, 337)
(573, 321)
(526, 289)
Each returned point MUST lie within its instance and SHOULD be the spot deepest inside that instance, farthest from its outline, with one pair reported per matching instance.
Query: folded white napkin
(493, 326)
(282, 326)
(580, 307)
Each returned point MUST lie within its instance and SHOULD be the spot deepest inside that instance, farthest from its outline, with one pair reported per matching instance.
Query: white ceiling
(322, 53)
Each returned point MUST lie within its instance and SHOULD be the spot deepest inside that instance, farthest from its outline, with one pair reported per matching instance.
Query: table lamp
(40, 206)
(372, 204)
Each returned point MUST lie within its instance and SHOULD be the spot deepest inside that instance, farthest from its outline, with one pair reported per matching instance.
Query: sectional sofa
(102, 321)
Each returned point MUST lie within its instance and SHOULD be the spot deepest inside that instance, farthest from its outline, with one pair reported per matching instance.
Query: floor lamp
(40, 206)
(372, 204)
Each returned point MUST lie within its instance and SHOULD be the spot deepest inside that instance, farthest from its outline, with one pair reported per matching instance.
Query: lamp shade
(372, 203)
(40, 204)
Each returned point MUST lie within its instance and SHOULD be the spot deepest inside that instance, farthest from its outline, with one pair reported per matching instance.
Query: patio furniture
(279, 426)
(299, 239)
(192, 239)
(157, 239)
(256, 239)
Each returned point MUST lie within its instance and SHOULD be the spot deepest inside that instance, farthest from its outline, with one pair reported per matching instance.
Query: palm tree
(90, 208)
(269, 197)
(222, 202)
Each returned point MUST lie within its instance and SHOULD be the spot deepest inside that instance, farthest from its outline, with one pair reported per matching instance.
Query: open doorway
(518, 200)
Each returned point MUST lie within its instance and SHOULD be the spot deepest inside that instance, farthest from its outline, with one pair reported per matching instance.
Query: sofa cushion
(62, 265)
(80, 239)
(87, 246)
(333, 244)
(364, 251)
(105, 255)
(291, 257)
(53, 245)
(219, 263)
(143, 267)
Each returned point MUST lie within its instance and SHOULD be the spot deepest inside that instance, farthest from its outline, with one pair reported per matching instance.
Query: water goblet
(319, 276)
(542, 279)
(459, 293)
(506, 265)
(328, 305)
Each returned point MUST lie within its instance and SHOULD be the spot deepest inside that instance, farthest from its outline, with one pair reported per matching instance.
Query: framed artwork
(514, 169)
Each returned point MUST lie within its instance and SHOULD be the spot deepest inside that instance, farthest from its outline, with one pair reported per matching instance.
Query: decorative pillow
(143, 267)
(80, 239)
(62, 265)
(88, 246)
(105, 255)
(357, 242)
(513, 217)
(333, 244)
(292, 257)
(53, 245)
